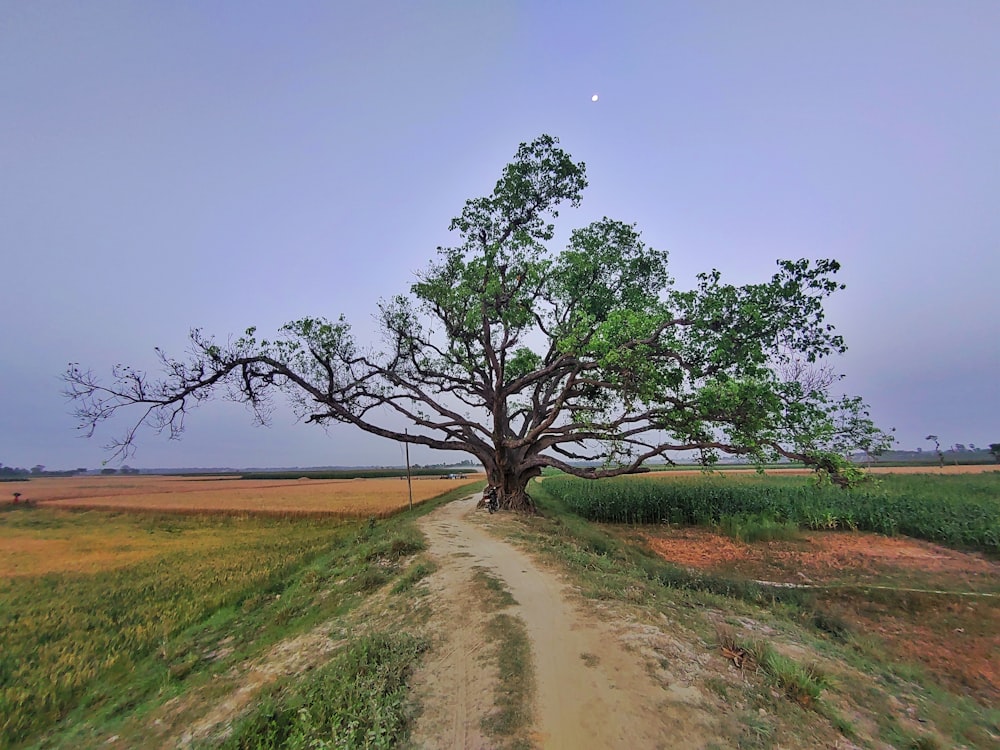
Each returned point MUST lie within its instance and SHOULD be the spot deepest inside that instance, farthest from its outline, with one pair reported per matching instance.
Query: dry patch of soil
(854, 557)
(880, 586)
(288, 657)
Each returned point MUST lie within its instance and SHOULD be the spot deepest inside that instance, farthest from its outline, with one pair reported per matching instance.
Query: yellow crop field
(341, 497)
(88, 598)
(91, 546)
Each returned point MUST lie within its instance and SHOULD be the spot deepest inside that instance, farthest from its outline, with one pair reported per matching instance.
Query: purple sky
(171, 165)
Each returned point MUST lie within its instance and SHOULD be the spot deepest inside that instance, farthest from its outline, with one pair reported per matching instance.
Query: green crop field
(962, 511)
(69, 637)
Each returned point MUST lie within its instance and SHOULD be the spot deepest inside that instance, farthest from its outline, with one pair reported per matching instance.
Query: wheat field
(215, 494)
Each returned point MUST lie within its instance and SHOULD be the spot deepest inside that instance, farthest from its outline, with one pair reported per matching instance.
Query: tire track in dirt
(590, 690)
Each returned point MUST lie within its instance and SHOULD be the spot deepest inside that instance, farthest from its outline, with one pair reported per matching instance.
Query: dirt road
(591, 691)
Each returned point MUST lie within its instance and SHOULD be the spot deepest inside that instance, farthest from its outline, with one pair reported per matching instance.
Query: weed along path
(589, 690)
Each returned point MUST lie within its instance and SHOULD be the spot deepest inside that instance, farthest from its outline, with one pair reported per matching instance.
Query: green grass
(356, 700)
(801, 683)
(962, 511)
(496, 594)
(414, 574)
(513, 713)
(509, 723)
(71, 639)
(757, 527)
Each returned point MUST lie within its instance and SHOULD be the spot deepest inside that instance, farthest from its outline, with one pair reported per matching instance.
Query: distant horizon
(724, 461)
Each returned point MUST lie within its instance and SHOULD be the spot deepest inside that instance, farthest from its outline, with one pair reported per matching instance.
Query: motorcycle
(492, 502)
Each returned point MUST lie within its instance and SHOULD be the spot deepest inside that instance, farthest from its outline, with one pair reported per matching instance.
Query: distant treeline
(930, 458)
(15, 474)
(354, 473)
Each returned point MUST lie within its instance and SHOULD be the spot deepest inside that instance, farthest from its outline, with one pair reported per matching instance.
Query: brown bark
(511, 481)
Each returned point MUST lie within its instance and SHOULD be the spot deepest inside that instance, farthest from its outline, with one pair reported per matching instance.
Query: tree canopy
(587, 360)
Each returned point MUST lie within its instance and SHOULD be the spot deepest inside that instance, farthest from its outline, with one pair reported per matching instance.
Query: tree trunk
(512, 484)
(517, 500)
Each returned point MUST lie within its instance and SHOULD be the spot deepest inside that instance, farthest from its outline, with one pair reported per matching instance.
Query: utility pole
(409, 482)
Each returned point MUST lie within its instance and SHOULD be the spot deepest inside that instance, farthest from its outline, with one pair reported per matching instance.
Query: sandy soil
(597, 684)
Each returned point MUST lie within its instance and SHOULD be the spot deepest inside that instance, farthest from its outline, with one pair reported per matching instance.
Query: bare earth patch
(881, 586)
(824, 556)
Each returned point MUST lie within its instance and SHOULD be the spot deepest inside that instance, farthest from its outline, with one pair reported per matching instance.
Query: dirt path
(591, 691)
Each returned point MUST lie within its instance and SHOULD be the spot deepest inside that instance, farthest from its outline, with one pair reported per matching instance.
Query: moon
(594, 98)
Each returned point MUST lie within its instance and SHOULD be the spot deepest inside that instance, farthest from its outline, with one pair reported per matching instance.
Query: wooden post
(409, 483)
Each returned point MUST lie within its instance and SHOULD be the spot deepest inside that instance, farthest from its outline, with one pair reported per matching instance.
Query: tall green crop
(961, 511)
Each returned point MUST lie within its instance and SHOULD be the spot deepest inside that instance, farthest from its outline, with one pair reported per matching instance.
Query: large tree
(587, 360)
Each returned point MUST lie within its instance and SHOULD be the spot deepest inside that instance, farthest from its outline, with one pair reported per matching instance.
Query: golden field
(78, 545)
(208, 494)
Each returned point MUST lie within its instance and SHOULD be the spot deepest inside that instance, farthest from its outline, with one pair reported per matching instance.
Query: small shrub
(802, 684)
(757, 528)
(415, 573)
(369, 580)
(833, 624)
(356, 701)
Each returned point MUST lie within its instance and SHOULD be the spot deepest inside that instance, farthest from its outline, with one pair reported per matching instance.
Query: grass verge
(508, 725)
(356, 700)
(512, 718)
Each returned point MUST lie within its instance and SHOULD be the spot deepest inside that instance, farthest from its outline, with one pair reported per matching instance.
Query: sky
(166, 166)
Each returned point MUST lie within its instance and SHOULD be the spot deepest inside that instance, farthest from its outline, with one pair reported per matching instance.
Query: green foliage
(961, 511)
(834, 469)
(801, 683)
(354, 701)
(757, 527)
